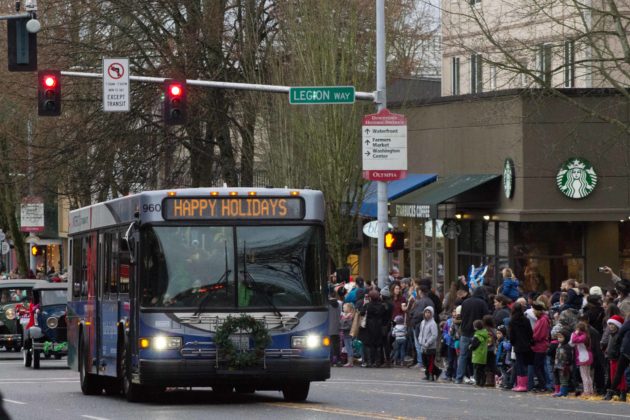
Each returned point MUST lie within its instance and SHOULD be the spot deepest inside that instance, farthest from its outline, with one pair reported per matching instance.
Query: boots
(556, 389)
(521, 384)
(563, 391)
(609, 394)
(436, 373)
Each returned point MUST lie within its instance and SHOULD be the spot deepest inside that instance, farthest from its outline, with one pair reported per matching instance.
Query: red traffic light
(50, 81)
(175, 90)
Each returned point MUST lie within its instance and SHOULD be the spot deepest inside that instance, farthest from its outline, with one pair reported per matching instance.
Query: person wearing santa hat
(613, 353)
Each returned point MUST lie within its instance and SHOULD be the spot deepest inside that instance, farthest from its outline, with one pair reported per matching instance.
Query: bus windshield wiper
(222, 279)
(249, 279)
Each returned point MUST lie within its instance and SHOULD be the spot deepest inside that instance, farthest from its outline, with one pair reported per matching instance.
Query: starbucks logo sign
(576, 178)
(508, 178)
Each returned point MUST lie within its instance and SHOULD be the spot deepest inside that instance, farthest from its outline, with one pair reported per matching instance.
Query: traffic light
(37, 250)
(49, 93)
(21, 45)
(394, 240)
(174, 102)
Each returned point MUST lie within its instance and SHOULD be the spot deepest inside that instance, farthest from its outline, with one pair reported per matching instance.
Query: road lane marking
(14, 402)
(93, 417)
(584, 412)
(340, 411)
(39, 382)
(405, 395)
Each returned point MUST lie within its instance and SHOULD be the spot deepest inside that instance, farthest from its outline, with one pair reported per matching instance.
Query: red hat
(616, 320)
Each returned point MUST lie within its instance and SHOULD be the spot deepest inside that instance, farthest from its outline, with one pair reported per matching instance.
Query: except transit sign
(116, 84)
(384, 140)
(319, 95)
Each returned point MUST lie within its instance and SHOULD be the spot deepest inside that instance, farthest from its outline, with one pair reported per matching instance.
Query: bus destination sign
(202, 208)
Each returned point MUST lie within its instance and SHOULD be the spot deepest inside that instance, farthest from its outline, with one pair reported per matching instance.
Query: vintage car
(15, 298)
(45, 334)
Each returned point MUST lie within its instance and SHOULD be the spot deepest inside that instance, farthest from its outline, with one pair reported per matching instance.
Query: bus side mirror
(128, 242)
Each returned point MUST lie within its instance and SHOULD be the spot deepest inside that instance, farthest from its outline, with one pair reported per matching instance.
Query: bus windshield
(210, 267)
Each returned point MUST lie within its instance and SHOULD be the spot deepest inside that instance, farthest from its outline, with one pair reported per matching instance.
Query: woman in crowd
(520, 334)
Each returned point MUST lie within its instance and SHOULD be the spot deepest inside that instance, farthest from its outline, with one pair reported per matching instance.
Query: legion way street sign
(320, 95)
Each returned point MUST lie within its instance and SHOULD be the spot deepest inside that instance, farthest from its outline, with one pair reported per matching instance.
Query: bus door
(108, 304)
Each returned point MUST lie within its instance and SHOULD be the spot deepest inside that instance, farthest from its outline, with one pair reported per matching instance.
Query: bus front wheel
(89, 382)
(133, 392)
(296, 392)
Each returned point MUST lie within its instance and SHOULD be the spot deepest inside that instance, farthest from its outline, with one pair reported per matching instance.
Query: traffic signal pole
(381, 103)
(365, 96)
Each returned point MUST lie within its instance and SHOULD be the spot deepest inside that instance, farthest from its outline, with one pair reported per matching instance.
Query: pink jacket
(583, 355)
(540, 335)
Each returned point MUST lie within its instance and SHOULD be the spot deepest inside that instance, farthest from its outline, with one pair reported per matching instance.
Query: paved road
(53, 393)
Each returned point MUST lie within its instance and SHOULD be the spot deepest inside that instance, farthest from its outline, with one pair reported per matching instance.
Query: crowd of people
(575, 340)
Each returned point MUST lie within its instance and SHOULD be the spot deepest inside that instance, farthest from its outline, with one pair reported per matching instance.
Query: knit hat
(615, 320)
(385, 292)
(458, 310)
(398, 319)
(595, 291)
(556, 329)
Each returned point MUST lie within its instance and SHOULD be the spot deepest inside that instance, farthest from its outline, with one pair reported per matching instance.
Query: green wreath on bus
(238, 359)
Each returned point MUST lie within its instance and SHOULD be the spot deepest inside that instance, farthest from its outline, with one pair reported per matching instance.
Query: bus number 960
(150, 208)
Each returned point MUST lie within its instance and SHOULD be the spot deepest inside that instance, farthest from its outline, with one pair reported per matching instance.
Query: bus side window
(77, 265)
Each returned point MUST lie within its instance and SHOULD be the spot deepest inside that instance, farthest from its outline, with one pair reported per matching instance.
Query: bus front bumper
(202, 373)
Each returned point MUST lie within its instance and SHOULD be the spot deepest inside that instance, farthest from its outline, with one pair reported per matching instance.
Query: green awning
(462, 191)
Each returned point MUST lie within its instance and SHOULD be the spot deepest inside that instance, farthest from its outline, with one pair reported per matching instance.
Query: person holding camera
(623, 288)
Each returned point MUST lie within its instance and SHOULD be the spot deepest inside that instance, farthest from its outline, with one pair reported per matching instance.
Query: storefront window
(478, 243)
(545, 254)
(624, 249)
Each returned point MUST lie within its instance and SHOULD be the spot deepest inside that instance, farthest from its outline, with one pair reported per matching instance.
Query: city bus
(157, 277)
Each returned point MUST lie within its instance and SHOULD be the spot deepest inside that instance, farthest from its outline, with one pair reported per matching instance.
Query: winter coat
(399, 332)
(500, 315)
(583, 354)
(334, 315)
(520, 334)
(595, 314)
(540, 334)
(564, 357)
(510, 288)
(417, 311)
(574, 300)
(473, 308)
(479, 345)
(504, 348)
(446, 333)
(624, 336)
(376, 319)
(428, 335)
(613, 350)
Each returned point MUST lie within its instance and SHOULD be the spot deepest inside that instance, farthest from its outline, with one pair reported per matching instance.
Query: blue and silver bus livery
(155, 275)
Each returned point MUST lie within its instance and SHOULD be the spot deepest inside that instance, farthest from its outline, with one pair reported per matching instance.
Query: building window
(455, 75)
(569, 64)
(473, 2)
(493, 78)
(544, 64)
(476, 74)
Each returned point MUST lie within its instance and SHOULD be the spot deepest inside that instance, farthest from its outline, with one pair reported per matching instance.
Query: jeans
(464, 357)
(399, 350)
(539, 369)
(347, 343)
(418, 348)
(452, 362)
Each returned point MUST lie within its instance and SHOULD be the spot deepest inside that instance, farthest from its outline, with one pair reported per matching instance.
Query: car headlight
(52, 322)
(161, 342)
(310, 341)
(10, 313)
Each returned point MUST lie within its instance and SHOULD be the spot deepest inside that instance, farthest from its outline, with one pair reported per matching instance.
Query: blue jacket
(510, 288)
(446, 333)
(504, 348)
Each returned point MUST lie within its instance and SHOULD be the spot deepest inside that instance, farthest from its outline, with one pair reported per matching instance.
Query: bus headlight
(161, 343)
(310, 341)
(52, 322)
(10, 313)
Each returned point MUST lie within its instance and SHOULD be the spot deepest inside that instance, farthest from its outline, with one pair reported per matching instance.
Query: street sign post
(320, 95)
(116, 84)
(384, 140)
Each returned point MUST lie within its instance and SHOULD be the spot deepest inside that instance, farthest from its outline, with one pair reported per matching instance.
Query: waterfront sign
(320, 95)
(384, 142)
(576, 178)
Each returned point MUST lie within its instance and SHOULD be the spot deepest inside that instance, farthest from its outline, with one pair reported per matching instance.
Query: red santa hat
(615, 320)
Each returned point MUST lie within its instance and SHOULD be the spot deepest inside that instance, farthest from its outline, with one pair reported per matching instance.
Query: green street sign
(318, 95)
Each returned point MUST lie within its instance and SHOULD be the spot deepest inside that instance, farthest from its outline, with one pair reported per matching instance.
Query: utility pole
(381, 103)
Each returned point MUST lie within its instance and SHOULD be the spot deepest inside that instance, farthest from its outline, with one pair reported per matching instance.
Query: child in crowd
(563, 363)
(491, 366)
(449, 342)
(510, 284)
(399, 332)
(345, 325)
(581, 341)
(503, 360)
(479, 347)
(427, 338)
(613, 352)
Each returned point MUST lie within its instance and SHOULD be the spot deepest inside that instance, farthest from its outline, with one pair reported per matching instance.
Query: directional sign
(319, 95)
(116, 84)
(384, 140)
